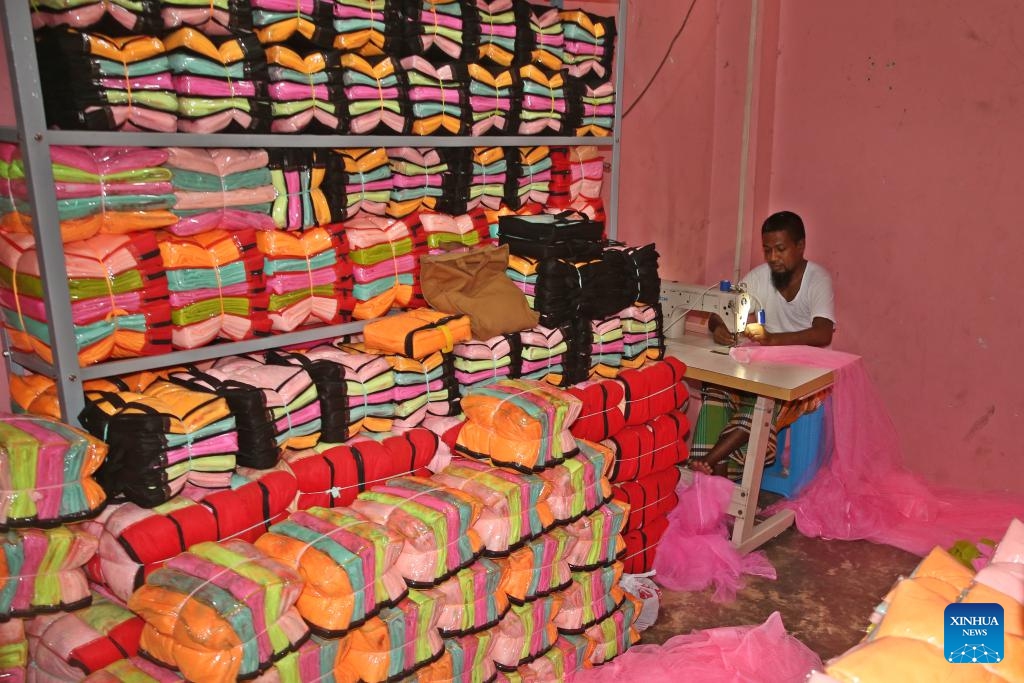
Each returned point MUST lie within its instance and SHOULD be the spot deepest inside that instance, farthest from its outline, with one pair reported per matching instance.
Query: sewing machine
(732, 305)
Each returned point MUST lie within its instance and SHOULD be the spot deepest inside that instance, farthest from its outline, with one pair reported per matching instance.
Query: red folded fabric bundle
(65, 646)
(601, 415)
(641, 450)
(642, 545)
(134, 541)
(653, 390)
(333, 477)
(651, 497)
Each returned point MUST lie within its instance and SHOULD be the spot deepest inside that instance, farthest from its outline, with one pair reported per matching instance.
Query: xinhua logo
(974, 633)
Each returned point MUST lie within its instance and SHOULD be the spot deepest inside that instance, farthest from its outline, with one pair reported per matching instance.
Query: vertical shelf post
(35, 150)
(620, 75)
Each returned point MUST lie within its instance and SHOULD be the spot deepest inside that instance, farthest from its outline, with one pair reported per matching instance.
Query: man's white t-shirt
(814, 300)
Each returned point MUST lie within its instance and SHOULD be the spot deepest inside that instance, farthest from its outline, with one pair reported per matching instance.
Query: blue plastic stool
(794, 470)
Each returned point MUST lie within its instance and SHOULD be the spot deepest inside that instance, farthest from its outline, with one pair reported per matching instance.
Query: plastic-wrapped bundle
(598, 536)
(502, 22)
(641, 272)
(437, 525)
(277, 21)
(317, 659)
(520, 423)
(216, 287)
(220, 189)
(437, 96)
(41, 570)
(221, 85)
(586, 174)
(375, 100)
(334, 476)
(134, 541)
(561, 663)
(370, 388)
(301, 272)
(160, 440)
(606, 346)
(493, 106)
(133, 670)
(380, 250)
(655, 389)
(94, 82)
(546, 36)
(366, 27)
(118, 297)
(446, 233)
(99, 189)
(47, 470)
(220, 612)
(561, 179)
(417, 333)
(529, 177)
(601, 415)
(359, 181)
(135, 16)
(592, 596)
(418, 177)
(471, 657)
(473, 600)
(305, 91)
(656, 445)
(539, 567)
(482, 362)
(595, 108)
(287, 392)
(543, 350)
(642, 546)
(643, 335)
(423, 386)
(579, 485)
(297, 176)
(37, 395)
(396, 643)
(487, 187)
(589, 43)
(615, 634)
(13, 651)
(576, 362)
(66, 647)
(649, 497)
(346, 562)
(526, 632)
(213, 18)
(445, 30)
(518, 502)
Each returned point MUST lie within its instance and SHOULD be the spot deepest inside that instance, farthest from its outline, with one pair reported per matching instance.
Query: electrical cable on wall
(664, 59)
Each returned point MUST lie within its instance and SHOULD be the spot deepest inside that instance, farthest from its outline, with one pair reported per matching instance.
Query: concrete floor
(825, 591)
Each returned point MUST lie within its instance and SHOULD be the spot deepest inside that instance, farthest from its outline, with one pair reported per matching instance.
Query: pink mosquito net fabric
(864, 491)
(742, 654)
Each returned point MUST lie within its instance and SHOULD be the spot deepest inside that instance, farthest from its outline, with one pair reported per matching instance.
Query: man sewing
(796, 296)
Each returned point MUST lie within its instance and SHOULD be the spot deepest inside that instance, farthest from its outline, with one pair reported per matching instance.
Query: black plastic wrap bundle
(221, 83)
(591, 105)
(441, 30)
(298, 177)
(529, 176)
(94, 82)
(358, 181)
(592, 289)
(490, 172)
(305, 91)
(111, 17)
(428, 178)
(329, 377)
(641, 268)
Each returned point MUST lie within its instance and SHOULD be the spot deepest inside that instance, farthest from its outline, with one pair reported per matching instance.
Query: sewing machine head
(732, 306)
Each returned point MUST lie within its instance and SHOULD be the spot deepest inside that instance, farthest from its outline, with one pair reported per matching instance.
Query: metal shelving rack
(35, 139)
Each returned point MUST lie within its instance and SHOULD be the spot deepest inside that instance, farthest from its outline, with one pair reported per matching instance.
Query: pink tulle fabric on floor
(696, 552)
(864, 491)
(739, 654)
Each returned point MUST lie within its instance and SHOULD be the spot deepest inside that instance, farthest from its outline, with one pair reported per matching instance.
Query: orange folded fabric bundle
(417, 333)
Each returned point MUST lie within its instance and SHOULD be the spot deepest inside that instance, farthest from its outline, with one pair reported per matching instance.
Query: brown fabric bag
(475, 283)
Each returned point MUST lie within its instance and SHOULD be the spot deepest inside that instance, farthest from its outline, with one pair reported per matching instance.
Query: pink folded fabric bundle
(138, 16)
(216, 18)
(227, 189)
(540, 567)
(580, 485)
(526, 632)
(473, 600)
